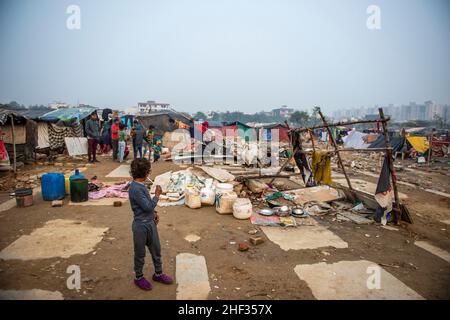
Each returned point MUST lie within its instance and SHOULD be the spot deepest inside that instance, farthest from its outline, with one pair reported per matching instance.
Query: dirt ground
(263, 272)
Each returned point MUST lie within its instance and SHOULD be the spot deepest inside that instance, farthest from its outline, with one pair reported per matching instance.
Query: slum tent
(421, 144)
(266, 132)
(356, 140)
(55, 126)
(15, 129)
(238, 129)
(397, 143)
(161, 121)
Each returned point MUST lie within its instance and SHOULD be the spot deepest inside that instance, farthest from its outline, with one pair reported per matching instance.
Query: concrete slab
(433, 250)
(304, 237)
(33, 294)
(192, 277)
(122, 171)
(58, 238)
(351, 280)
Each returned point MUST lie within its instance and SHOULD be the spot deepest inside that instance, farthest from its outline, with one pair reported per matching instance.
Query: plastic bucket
(24, 197)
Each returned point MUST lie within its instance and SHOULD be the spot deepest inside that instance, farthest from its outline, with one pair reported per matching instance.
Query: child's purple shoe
(163, 278)
(143, 283)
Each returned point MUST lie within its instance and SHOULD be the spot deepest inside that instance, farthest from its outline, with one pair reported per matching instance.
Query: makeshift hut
(17, 139)
(266, 132)
(238, 129)
(55, 126)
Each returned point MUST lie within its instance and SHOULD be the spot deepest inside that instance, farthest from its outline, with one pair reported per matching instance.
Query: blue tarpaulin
(67, 115)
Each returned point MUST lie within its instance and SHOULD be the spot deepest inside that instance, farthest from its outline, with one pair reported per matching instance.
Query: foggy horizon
(244, 56)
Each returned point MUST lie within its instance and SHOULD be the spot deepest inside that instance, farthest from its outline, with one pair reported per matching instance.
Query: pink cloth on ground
(110, 192)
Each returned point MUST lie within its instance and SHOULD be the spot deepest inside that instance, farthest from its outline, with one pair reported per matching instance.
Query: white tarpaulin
(76, 146)
(355, 139)
(43, 137)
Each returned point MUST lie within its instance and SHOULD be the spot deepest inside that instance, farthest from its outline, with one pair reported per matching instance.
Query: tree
(315, 114)
(300, 117)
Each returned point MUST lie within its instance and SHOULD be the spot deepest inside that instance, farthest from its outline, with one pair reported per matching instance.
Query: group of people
(115, 135)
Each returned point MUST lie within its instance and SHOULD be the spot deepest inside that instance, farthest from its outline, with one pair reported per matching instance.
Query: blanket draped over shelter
(57, 134)
(321, 166)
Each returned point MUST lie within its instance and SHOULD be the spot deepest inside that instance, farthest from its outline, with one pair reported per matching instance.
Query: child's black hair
(140, 168)
(121, 126)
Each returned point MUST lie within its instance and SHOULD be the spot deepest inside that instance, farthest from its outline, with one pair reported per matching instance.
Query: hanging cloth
(321, 166)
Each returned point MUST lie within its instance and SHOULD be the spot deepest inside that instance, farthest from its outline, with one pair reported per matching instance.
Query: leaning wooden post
(430, 149)
(333, 142)
(391, 166)
(13, 143)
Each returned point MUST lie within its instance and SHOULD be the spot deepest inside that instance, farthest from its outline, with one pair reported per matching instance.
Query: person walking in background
(93, 135)
(148, 141)
(115, 128)
(138, 140)
(122, 141)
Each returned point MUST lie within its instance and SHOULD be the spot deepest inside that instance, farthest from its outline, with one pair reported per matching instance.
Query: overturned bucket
(24, 197)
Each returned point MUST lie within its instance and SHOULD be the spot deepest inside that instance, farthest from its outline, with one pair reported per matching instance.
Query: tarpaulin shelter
(18, 137)
(161, 121)
(397, 143)
(266, 132)
(421, 144)
(238, 129)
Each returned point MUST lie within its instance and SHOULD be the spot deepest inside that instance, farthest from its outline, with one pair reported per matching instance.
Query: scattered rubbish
(242, 208)
(266, 212)
(253, 231)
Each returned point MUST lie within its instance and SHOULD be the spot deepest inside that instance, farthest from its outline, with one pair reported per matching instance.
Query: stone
(243, 247)
(256, 240)
(57, 203)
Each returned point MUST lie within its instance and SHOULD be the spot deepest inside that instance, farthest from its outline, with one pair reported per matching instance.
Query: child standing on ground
(122, 137)
(145, 232)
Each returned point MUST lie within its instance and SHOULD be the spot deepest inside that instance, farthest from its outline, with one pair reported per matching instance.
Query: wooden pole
(391, 167)
(13, 143)
(333, 142)
(430, 150)
(312, 139)
(337, 124)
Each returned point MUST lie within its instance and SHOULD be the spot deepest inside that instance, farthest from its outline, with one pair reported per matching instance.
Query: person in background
(138, 140)
(157, 151)
(144, 227)
(115, 128)
(106, 135)
(93, 135)
(133, 136)
(148, 141)
(122, 141)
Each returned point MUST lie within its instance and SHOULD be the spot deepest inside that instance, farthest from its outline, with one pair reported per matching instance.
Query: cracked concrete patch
(57, 238)
(304, 237)
(192, 238)
(348, 280)
(192, 277)
(433, 250)
(33, 294)
(122, 171)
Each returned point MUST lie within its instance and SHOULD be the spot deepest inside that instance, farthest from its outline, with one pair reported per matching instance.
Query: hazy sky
(245, 55)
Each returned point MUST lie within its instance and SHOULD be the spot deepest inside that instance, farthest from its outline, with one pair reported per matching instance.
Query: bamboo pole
(337, 124)
(13, 143)
(391, 167)
(333, 142)
(430, 150)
